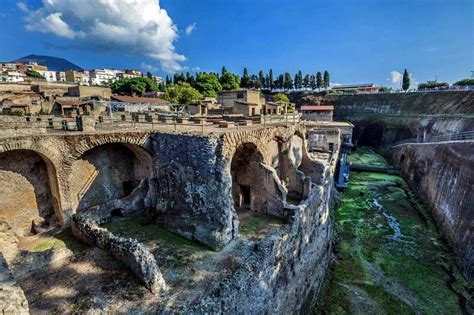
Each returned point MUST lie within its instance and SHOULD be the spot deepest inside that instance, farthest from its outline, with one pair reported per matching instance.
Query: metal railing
(467, 135)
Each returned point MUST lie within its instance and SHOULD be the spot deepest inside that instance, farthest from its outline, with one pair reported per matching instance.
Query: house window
(240, 95)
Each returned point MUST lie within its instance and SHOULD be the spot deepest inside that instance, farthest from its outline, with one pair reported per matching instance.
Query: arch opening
(108, 172)
(247, 178)
(29, 197)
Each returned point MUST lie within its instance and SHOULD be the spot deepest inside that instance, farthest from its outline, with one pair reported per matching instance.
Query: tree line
(229, 81)
(186, 87)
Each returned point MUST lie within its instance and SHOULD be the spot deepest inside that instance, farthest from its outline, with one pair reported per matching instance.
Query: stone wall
(25, 194)
(382, 119)
(442, 174)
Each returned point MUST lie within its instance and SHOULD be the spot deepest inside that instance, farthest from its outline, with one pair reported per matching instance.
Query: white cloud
(396, 77)
(190, 28)
(149, 67)
(23, 7)
(139, 27)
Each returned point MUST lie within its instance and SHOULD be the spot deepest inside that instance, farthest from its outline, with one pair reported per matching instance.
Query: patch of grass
(48, 243)
(414, 261)
(253, 224)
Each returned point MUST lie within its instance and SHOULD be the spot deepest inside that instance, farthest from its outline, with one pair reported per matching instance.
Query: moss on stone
(379, 215)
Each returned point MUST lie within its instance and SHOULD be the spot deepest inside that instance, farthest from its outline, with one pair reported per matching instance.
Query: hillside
(53, 63)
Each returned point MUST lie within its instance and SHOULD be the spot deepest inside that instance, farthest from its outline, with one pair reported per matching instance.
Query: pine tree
(319, 80)
(312, 83)
(281, 81)
(245, 81)
(406, 80)
(261, 78)
(287, 83)
(268, 83)
(223, 71)
(300, 80)
(295, 81)
(306, 81)
(326, 79)
(270, 78)
(168, 80)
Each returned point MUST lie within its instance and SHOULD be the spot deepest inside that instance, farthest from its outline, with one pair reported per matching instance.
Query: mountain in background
(53, 63)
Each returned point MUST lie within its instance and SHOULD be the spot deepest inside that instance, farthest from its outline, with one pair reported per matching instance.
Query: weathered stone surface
(127, 250)
(12, 298)
(443, 175)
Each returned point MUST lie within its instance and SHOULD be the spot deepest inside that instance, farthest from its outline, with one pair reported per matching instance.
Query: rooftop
(317, 108)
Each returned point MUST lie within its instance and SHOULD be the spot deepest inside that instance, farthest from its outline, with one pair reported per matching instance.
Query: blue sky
(356, 41)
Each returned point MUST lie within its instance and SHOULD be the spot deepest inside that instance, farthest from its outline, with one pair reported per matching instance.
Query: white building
(60, 76)
(50, 76)
(103, 76)
(15, 76)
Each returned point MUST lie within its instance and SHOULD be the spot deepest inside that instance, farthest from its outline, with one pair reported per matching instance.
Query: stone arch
(109, 171)
(370, 135)
(30, 189)
(247, 177)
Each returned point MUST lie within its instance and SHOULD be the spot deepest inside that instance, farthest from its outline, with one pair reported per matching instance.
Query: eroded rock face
(443, 175)
(12, 298)
(127, 250)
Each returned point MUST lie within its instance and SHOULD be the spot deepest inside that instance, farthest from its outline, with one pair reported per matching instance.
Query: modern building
(81, 78)
(50, 76)
(104, 76)
(317, 112)
(60, 76)
(15, 76)
(364, 88)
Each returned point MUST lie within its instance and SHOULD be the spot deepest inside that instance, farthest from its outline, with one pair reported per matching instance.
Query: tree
(261, 78)
(464, 82)
(34, 74)
(280, 82)
(168, 80)
(208, 84)
(306, 81)
(287, 83)
(296, 82)
(319, 80)
(230, 81)
(223, 71)
(406, 80)
(149, 75)
(270, 79)
(312, 82)
(134, 86)
(245, 82)
(299, 85)
(181, 93)
(281, 97)
(326, 79)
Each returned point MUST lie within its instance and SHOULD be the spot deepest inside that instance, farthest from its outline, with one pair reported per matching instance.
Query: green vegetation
(432, 85)
(390, 258)
(406, 80)
(280, 97)
(464, 82)
(230, 81)
(208, 84)
(34, 74)
(326, 79)
(253, 224)
(134, 86)
(181, 93)
(9, 112)
(171, 249)
(367, 156)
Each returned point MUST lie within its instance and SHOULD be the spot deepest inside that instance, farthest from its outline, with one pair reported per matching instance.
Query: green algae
(390, 256)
